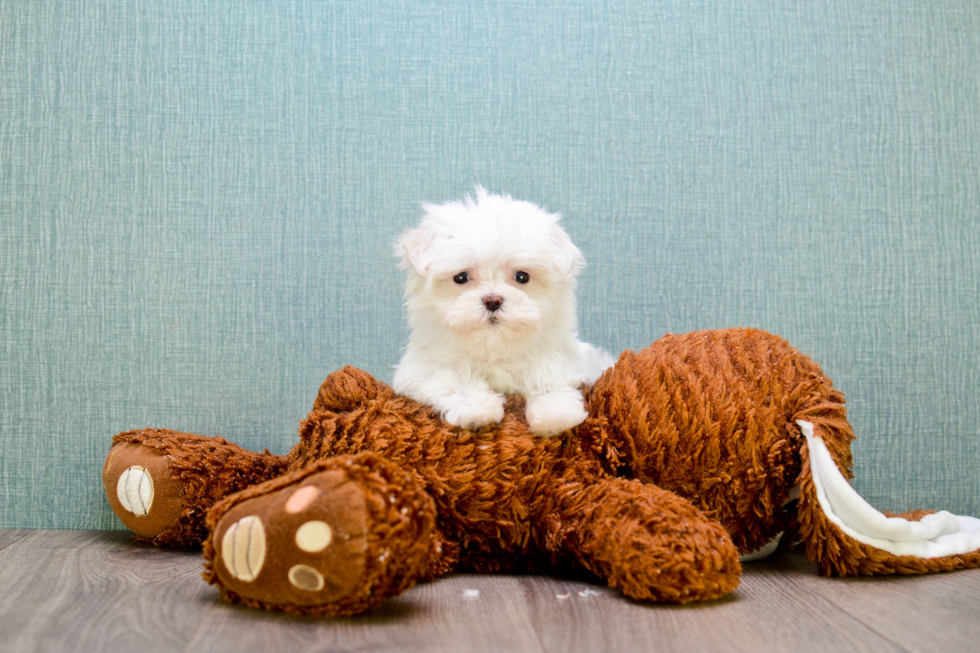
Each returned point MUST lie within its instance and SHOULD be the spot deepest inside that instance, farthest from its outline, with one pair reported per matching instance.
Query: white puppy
(491, 303)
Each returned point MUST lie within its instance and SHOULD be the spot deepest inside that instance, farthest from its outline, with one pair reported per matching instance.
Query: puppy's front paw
(555, 412)
(474, 409)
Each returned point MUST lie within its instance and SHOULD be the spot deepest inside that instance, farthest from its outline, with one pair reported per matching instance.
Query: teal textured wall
(198, 200)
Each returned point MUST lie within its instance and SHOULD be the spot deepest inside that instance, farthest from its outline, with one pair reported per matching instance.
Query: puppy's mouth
(493, 318)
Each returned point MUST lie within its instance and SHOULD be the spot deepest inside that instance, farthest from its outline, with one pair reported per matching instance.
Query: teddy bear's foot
(161, 483)
(142, 490)
(334, 538)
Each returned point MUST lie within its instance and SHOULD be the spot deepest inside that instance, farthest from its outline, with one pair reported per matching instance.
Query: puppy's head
(490, 269)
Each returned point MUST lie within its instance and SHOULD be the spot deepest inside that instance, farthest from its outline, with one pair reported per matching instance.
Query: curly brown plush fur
(687, 459)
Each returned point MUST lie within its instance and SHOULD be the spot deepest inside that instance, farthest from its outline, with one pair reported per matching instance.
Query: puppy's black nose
(493, 302)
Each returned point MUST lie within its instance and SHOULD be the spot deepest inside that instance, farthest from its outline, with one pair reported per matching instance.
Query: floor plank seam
(15, 540)
(534, 626)
(206, 622)
(790, 580)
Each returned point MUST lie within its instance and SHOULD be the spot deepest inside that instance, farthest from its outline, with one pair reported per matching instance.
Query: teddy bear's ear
(347, 389)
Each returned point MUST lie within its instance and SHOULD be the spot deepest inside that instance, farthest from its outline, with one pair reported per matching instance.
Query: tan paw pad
(306, 578)
(134, 489)
(313, 536)
(243, 548)
(301, 498)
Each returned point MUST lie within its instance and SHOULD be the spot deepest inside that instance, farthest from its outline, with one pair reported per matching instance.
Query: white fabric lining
(770, 547)
(765, 551)
(936, 535)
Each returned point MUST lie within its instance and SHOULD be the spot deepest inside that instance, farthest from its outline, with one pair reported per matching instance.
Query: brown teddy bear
(700, 449)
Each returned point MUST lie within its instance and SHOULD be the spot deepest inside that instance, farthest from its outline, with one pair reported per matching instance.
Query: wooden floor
(100, 591)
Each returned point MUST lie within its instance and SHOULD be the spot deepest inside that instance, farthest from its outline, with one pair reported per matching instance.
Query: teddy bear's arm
(161, 483)
(648, 542)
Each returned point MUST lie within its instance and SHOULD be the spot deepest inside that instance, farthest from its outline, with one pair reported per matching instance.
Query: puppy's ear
(414, 250)
(569, 259)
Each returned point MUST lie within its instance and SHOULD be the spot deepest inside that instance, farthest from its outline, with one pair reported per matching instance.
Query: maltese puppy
(491, 304)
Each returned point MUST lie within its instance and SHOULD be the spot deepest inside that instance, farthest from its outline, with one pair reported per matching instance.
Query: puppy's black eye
(462, 277)
(522, 277)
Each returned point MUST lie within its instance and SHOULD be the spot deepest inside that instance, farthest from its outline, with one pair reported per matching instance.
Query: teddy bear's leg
(334, 538)
(162, 483)
(648, 542)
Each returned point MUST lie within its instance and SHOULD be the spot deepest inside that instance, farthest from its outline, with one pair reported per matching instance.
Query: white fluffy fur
(462, 358)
